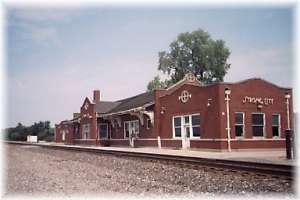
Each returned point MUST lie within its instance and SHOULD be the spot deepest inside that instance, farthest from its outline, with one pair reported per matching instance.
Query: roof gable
(86, 100)
(189, 79)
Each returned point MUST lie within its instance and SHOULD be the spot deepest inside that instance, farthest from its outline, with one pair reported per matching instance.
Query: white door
(133, 132)
(63, 137)
(186, 132)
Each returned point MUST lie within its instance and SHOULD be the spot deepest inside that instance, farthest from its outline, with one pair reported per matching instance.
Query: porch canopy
(136, 106)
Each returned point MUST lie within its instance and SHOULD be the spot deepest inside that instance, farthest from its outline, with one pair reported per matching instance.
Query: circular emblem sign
(185, 95)
(190, 77)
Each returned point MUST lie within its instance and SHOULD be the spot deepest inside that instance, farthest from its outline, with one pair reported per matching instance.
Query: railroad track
(245, 167)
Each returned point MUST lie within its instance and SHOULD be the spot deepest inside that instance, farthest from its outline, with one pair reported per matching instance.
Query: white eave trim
(141, 108)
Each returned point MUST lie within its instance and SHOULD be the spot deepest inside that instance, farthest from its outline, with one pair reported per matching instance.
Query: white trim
(279, 125)
(86, 139)
(264, 125)
(130, 121)
(207, 139)
(260, 139)
(174, 136)
(174, 85)
(141, 108)
(177, 139)
(119, 139)
(150, 114)
(137, 139)
(235, 124)
(183, 123)
(63, 135)
(191, 123)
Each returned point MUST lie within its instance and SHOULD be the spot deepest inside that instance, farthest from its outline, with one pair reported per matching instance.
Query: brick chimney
(96, 96)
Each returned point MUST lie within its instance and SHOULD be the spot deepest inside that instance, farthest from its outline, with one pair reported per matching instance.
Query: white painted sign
(32, 138)
(258, 100)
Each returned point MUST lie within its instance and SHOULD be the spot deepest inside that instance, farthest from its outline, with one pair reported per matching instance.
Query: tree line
(41, 129)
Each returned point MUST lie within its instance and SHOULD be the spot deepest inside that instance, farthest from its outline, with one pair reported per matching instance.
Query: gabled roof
(134, 102)
(107, 107)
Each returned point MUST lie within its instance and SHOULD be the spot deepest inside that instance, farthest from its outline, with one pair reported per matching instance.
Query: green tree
(194, 52)
(19, 133)
(156, 83)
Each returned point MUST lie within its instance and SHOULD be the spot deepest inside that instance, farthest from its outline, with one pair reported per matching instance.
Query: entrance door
(186, 132)
(63, 137)
(133, 129)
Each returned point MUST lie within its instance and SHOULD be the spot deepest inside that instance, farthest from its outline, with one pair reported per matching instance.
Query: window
(239, 124)
(103, 128)
(258, 124)
(177, 126)
(186, 119)
(188, 123)
(131, 127)
(196, 125)
(148, 123)
(275, 125)
(126, 129)
(86, 131)
(134, 128)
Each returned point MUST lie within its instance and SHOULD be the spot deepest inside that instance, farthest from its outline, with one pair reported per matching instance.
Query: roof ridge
(120, 100)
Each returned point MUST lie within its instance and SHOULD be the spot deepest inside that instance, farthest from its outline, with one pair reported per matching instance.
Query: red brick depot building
(251, 114)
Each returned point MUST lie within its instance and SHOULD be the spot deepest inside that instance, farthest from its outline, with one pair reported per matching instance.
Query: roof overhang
(137, 109)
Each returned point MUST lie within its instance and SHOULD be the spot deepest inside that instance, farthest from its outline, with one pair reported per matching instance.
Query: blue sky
(56, 57)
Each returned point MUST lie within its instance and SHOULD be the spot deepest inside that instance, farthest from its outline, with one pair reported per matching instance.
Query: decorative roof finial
(190, 77)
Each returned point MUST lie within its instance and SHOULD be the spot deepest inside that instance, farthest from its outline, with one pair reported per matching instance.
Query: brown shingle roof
(106, 107)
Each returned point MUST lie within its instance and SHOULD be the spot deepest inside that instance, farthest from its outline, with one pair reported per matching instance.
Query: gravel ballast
(38, 170)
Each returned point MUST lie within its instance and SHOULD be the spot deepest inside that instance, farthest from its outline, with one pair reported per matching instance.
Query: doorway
(186, 132)
(131, 131)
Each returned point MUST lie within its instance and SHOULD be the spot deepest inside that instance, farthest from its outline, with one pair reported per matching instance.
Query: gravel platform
(33, 170)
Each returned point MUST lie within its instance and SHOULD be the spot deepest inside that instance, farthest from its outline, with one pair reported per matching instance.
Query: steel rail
(256, 167)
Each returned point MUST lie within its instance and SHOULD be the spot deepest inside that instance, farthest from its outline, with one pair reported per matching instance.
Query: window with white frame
(196, 125)
(131, 128)
(275, 125)
(239, 124)
(190, 123)
(103, 129)
(126, 129)
(148, 123)
(86, 131)
(258, 124)
(177, 126)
